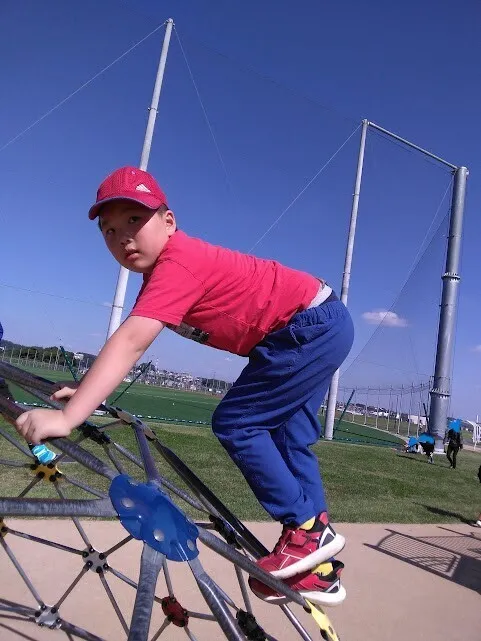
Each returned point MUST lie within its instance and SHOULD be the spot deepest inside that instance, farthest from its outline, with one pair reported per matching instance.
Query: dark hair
(161, 210)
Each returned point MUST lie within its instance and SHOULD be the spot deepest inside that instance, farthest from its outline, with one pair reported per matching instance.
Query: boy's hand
(64, 390)
(37, 425)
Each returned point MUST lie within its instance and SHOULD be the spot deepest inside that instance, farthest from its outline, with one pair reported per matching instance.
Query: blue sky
(282, 90)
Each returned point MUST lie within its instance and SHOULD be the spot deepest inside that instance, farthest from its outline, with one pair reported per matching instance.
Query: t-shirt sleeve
(170, 292)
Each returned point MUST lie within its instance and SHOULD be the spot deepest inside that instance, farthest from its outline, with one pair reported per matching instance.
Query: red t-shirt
(221, 297)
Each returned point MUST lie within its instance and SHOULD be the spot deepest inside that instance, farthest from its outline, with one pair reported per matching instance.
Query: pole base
(438, 451)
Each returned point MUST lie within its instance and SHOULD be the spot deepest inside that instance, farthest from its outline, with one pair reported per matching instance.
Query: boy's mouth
(131, 254)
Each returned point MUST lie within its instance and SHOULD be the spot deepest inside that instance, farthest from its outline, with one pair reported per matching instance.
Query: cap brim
(148, 200)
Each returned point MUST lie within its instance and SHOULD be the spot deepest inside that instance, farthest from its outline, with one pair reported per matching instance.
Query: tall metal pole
(441, 390)
(332, 398)
(120, 290)
(418, 419)
(389, 408)
(410, 407)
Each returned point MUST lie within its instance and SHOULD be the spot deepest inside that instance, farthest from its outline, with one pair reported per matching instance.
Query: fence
(401, 410)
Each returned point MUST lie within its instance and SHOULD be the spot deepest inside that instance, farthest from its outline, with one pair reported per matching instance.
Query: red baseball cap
(129, 183)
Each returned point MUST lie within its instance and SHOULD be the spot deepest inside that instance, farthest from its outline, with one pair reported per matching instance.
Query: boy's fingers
(32, 436)
(65, 392)
(22, 423)
(59, 384)
(21, 419)
(24, 430)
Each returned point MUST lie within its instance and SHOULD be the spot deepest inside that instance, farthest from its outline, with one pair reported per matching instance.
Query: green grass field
(348, 432)
(363, 483)
(145, 400)
(174, 405)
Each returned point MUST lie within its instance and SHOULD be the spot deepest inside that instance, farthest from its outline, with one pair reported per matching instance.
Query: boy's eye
(133, 219)
(109, 231)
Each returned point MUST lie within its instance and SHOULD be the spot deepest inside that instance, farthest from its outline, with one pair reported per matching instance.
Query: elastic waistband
(324, 295)
(331, 298)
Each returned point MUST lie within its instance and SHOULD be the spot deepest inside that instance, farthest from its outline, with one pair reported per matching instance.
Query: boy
(291, 326)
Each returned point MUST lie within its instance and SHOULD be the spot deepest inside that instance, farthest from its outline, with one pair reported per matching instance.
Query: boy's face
(135, 235)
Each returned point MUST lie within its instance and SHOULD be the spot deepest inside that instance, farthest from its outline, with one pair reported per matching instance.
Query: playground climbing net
(114, 482)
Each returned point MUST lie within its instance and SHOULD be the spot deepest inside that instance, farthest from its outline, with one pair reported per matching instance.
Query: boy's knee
(224, 429)
(219, 422)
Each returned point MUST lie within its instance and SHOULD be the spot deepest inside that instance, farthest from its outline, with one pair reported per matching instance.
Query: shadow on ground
(440, 512)
(456, 557)
(421, 458)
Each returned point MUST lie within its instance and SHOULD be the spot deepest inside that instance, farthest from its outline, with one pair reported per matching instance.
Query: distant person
(4, 391)
(478, 522)
(289, 324)
(412, 446)
(426, 441)
(454, 445)
(428, 450)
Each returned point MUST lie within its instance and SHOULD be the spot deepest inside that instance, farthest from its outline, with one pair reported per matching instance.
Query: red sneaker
(322, 588)
(300, 550)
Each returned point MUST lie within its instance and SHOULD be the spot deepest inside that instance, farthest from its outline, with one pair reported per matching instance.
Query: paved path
(404, 583)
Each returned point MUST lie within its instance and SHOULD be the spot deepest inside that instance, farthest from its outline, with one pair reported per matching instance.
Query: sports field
(177, 406)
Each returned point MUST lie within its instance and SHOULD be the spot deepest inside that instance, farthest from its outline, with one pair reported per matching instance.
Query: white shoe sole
(313, 560)
(317, 597)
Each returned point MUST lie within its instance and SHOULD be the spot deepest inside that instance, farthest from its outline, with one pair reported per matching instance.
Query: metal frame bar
(13, 463)
(150, 566)
(118, 545)
(114, 603)
(164, 625)
(17, 632)
(83, 486)
(36, 539)
(70, 588)
(21, 571)
(16, 444)
(412, 145)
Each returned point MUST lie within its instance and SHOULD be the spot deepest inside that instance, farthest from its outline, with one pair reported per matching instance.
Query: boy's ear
(170, 221)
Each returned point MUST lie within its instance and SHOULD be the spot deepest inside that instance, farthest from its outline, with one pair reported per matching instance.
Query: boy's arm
(116, 359)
